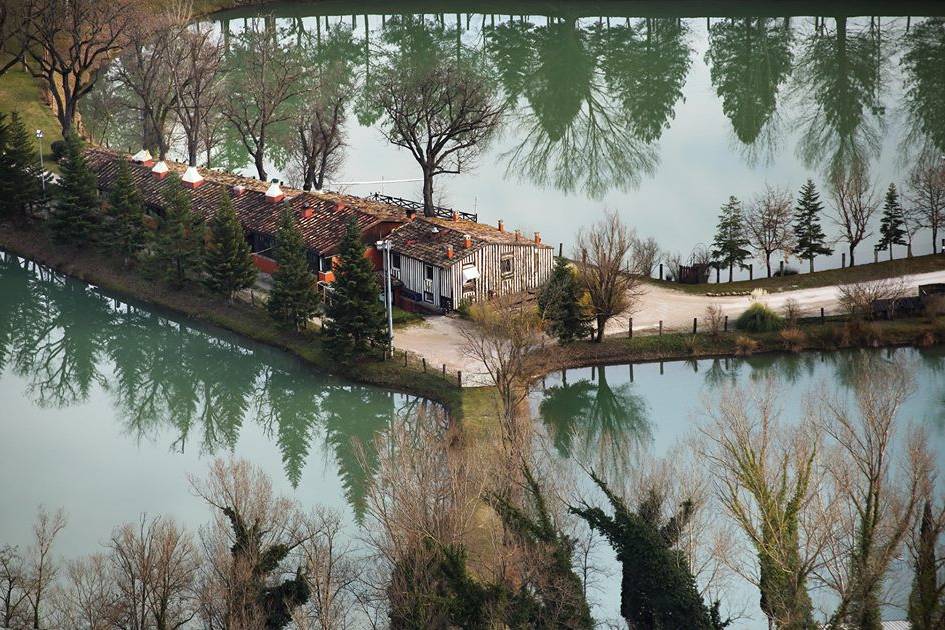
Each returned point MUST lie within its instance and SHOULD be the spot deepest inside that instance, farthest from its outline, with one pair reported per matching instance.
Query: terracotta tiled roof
(417, 239)
(322, 227)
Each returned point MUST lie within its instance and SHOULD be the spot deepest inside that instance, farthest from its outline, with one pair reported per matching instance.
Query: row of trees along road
(770, 225)
(286, 98)
(181, 247)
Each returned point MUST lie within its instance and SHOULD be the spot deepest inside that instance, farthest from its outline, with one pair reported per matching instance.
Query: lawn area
(859, 273)
(21, 93)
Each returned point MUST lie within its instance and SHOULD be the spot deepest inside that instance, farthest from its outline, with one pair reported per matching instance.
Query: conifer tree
(730, 246)
(228, 262)
(560, 304)
(811, 240)
(126, 235)
(20, 183)
(926, 603)
(356, 315)
(892, 228)
(293, 299)
(178, 240)
(74, 217)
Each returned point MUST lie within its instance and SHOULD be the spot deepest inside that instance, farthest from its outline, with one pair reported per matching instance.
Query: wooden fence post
(444, 369)
(781, 268)
(821, 314)
(751, 271)
(725, 326)
(661, 271)
(630, 329)
(843, 260)
(695, 322)
(459, 378)
(405, 358)
(661, 326)
(424, 359)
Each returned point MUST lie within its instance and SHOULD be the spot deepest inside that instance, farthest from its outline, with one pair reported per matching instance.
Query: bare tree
(210, 135)
(14, 20)
(857, 299)
(41, 566)
(879, 493)
(197, 56)
(67, 41)
(331, 573)
(644, 256)
(442, 113)
(319, 139)
(88, 599)
(768, 224)
(854, 206)
(927, 194)
(602, 264)
(14, 586)
(263, 75)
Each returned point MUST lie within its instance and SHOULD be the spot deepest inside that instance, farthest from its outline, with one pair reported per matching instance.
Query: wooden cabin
(322, 217)
(443, 262)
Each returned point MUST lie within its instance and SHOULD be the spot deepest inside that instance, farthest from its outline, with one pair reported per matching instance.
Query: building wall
(413, 276)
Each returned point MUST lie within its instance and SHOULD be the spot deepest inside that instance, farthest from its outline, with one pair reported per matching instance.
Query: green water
(106, 407)
(657, 110)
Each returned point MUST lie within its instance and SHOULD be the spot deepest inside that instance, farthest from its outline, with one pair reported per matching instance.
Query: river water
(659, 111)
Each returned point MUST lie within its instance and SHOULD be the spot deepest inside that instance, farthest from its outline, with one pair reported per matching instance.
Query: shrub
(792, 312)
(934, 306)
(793, 339)
(58, 148)
(857, 300)
(861, 333)
(925, 339)
(759, 318)
(745, 345)
(788, 271)
(691, 343)
(713, 319)
(463, 308)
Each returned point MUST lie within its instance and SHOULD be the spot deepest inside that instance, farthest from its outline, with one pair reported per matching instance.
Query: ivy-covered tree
(730, 246)
(355, 314)
(178, 240)
(228, 262)
(811, 240)
(293, 299)
(927, 598)
(892, 228)
(561, 304)
(126, 234)
(657, 588)
(20, 183)
(74, 216)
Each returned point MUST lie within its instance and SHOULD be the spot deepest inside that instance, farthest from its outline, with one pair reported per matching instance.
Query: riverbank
(239, 317)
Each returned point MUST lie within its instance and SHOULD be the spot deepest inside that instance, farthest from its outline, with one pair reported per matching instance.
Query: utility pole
(42, 174)
(384, 246)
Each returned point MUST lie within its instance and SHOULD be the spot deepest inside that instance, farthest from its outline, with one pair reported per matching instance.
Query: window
(470, 276)
(428, 272)
(324, 264)
(506, 266)
(428, 296)
(395, 260)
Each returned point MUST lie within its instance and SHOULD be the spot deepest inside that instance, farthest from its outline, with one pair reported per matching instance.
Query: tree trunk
(730, 267)
(934, 239)
(260, 166)
(601, 321)
(768, 263)
(811, 259)
(852, 247)
(890, 251)
(427, 193)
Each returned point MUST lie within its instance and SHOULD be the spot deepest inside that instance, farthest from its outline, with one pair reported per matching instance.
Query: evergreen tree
(560, 304)
(811, 240)
(126, 235)
(926, 605)
(657, 588)
(356, 315)
(293, 298)
(892, 225)
(178, 240)
(228, 262)
(730, 246)
(74, 217)
(20, 175)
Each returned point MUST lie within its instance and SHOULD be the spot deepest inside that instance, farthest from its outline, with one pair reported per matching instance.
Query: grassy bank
(21, 93)
(834, 334)
(245, 319)
(849, 275)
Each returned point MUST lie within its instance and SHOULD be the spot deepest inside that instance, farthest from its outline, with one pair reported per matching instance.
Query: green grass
(859, 273)
(405, 318)
(21, 93)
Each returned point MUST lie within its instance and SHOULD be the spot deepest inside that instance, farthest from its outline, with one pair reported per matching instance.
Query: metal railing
(416, 206)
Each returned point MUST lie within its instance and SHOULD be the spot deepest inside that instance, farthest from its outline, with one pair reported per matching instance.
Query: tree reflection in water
(923, 62)
(596, 424)
(167, 379)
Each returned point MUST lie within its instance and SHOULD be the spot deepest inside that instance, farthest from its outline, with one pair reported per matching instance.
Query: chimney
(501, 225)
(537, 238)
(455, 216)
(308, 213)
(143, 157)
(411, 214)
(518, 235)
(238, 190)
(467, 241)
(160, 170)
(191, 178)
(274, 194)
(449, 251)
(339, 206)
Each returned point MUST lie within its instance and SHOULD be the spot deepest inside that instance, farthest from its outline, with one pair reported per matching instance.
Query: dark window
(506, 266)
(313, 259)
(263, 244)
(428, 270)
(395, 260)
(325, 263)
(428, 296)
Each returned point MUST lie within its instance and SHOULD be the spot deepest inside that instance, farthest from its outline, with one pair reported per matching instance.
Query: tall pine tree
(178, 240)
(355, 314)
(126, 234)
(293, 299)
(560, 303)
(892, 226)
(811, 240)
(926, 604)
(74, 217)
(228, 263)
(20, 175)
(730, 246)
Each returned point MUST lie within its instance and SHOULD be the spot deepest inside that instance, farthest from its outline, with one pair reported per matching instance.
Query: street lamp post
(42, 175)
(384, 246)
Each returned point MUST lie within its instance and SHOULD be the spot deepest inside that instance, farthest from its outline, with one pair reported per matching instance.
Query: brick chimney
(143, 157)
(518, 235)
(191, 178)
(308, 213)
(339, 206)
(274, 194)
(537, 238)
(449, 251)
(455, 216)
(467, 241)
(501, 225)
(160, 170)
(238, 190)
(411, 214)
